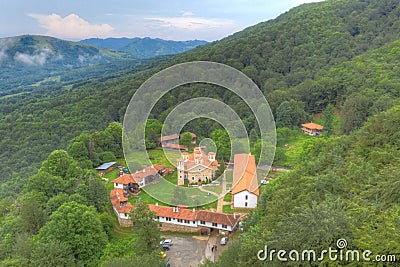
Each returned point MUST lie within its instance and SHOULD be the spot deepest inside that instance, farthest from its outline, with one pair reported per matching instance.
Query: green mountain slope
(281, 55)
(38, 58)
(145, 47)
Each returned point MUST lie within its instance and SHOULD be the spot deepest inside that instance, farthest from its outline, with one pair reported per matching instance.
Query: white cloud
(192, 23)
(187, 13)
(39, 57)
(4, 45)
(71, 26)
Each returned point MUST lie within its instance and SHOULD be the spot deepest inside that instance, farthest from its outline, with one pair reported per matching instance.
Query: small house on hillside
(106, 167)
(245, 184)
(312, 129)
(172, 141)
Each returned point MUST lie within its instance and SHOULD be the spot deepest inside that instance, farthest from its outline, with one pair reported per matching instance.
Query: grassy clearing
(214, 189)
(172, 177)
(227, 209)
(228, 197)
(294, 147)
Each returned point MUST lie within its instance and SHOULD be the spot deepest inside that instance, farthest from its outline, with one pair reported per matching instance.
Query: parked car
(224, 240)
(264, 182)
(165, 247)
(166, 242)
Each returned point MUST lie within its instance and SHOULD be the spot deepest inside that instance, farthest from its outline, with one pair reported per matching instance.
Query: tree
(355, 111)
(108, 156)
(291, 114)
(329, 115)
(186, 139)
(79, 228)
(46, 183)
(223, 143)
(78, 150)
(145, 229)
(114, 130)
(33, 216)
(137, 259)
(153, 133)
(52, 253)
(95, 193)
(57, 163)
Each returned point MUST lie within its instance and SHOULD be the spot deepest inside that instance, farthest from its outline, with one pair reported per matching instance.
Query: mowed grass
(138, 161)
(227, 209)
(228, 197)
(188, 196)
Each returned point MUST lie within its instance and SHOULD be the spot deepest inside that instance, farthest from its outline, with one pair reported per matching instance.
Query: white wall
(121, 186)
(239, 200)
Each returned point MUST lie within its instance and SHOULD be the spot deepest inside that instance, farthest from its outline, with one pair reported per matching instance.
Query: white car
(166, 242)
(224, 240)
(264, 182)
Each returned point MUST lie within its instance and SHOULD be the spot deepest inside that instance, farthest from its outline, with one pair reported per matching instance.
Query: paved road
(186, 251)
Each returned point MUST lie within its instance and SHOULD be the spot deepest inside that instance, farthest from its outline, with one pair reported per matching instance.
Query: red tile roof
(140, 175)
(313, 126)
(158, 167)
(169, 137)
(117, 198)
(124, 179)
(175, 146)
(173, 212)
(203, 159)
(244, 174)
(217, 217)
(192, 215)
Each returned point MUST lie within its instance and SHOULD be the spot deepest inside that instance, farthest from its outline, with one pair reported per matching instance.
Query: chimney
(156, 203)
(234, 215)
(194, 209)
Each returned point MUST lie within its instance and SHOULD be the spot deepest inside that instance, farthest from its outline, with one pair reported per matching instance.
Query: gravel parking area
(186, 251)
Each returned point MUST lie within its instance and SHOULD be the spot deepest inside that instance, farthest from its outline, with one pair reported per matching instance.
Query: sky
(208, 20)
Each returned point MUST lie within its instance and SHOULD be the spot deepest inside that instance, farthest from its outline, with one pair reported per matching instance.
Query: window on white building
(245, 204)
(246, 197)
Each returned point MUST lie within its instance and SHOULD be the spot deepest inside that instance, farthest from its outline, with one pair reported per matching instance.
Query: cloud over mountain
(71, 26)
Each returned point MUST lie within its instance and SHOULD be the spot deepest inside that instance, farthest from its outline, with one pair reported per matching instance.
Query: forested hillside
(338, 57)
(145, 47)
(299, 55)
(346, 187)
(31, 59)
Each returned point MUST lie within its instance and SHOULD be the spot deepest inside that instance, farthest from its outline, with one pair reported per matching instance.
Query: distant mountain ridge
(49, 52)
(145, 47)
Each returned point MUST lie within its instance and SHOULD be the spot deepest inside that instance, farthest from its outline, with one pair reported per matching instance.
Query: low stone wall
(178, 228)
(125, 222)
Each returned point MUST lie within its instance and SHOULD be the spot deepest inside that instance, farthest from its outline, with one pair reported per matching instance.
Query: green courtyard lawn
(154, 156)
(228, 197)
(172, 177)
(227, 209)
